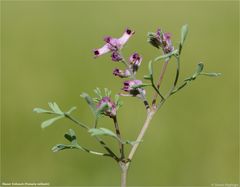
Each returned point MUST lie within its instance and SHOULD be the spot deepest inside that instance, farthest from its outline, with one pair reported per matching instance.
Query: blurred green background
(47, 56)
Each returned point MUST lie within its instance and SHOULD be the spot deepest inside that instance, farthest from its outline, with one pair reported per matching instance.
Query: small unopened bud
(135, 60)
(107, 106)
(116, 57)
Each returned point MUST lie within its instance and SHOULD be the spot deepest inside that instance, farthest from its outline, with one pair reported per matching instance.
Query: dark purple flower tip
(129, 31)
(104, 49)
(107, 39)
(117, 72)
(116, 57)
(134, 57)
(126, 83)
(96, 52)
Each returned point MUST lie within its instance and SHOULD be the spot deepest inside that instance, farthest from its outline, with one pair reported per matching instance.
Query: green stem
(121, 145)
(95, 153)
(160, 79)
(113, 155)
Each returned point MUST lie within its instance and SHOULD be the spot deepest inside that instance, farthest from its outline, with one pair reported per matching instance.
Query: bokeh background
(46, 55)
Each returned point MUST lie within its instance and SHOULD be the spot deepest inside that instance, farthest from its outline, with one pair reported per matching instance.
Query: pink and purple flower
(109, 107)
(114, 44)
(161, 40)
(135, 60)
(130, 86)
(120, 73)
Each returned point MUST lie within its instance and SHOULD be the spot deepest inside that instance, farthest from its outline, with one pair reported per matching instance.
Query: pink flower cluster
(114, 45)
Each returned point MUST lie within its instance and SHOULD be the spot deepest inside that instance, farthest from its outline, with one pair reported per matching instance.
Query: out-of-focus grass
(47, 56)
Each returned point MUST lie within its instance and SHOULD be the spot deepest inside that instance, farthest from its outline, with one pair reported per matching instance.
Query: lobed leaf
(107, 92)
(40, 110)
(90, 102)
(71, 110)
(184, 32)
(60, 147)
(102, 132)
(98, 92)
(132, 143)
(55, 108)
(210, 74)
(71, 136)
(50, 121)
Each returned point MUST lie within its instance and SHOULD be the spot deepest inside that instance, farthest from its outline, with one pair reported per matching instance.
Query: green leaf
(40, 110)
(107, 92)
(55, 108)
(116, 99)
(90, 102)
(150, 69)
(71, 110)
(102, 132)
(71, 136)
(102, 109)
(96, 100)
(98, 93)
(210, 74)
(132, 143)
(118, 102)
(50, 121)
(199, 69)
(184, 32)
(140, 86)
(147, 77)
(166, 56)
(60, 147)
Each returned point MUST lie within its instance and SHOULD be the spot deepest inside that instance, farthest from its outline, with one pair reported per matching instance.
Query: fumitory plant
(104, 104)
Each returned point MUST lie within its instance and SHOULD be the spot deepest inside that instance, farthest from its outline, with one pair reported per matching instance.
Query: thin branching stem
(141, 134)
(113, 155)
(160, 79)
(95, 152)
(121, 145)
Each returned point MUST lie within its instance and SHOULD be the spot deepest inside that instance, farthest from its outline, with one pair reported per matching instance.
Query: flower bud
(135, 60)
(107, 106)
(130, 87)
(116, 57)
(161, 40)
(120, 73)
